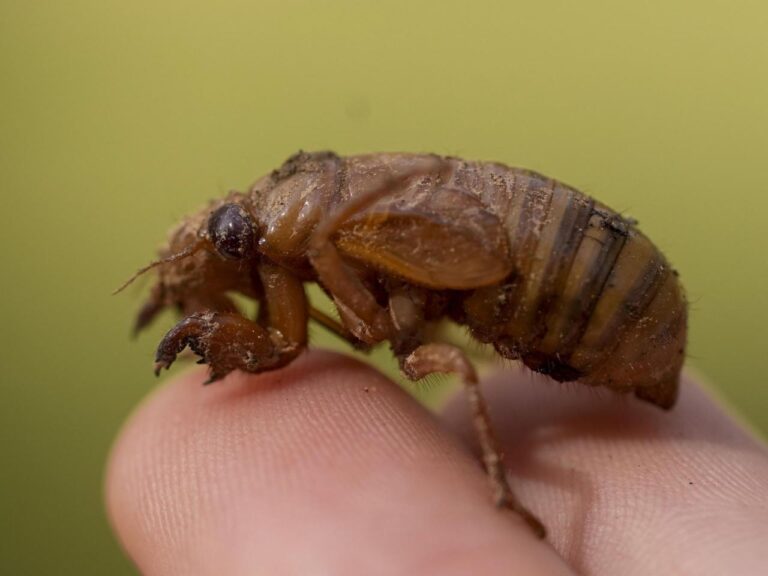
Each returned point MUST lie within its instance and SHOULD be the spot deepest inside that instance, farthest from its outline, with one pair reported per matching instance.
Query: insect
(543, 273)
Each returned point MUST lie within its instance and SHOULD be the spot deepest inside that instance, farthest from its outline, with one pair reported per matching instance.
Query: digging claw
(194, 332)
(164, 360)
(212, 378)
(226, 342)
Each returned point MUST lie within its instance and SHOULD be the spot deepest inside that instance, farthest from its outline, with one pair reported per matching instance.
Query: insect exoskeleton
(539, 270)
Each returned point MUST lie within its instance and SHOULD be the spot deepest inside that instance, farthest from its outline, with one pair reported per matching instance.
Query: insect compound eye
(231, 231)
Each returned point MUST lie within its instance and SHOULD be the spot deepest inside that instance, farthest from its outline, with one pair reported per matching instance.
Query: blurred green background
(116, 118)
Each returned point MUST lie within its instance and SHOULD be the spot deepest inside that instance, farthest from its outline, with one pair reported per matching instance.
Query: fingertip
(324, 465)
(187, 448)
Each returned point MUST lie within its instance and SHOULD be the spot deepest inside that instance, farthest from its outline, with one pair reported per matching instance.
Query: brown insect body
(530, 265)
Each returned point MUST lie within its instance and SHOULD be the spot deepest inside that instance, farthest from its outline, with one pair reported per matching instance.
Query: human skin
(327, 467)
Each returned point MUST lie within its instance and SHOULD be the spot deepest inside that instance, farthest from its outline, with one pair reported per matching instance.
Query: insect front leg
(430, 358)
(228, 341)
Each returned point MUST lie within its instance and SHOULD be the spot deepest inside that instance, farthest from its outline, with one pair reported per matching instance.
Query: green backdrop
(116, 118)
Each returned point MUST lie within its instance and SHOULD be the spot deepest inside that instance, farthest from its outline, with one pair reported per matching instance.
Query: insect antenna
(188, 251)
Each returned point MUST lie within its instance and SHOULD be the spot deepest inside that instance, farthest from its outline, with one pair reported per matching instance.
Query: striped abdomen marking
(582, 276)
(544, 256)
(632, 285)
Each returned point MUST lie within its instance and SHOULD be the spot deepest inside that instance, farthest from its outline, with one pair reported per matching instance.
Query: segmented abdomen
(586, 284)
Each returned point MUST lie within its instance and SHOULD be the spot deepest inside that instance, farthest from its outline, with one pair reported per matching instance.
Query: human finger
(626, 488)
(324, 467)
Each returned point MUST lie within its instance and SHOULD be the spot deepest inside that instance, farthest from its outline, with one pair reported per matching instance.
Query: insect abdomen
(590, 297)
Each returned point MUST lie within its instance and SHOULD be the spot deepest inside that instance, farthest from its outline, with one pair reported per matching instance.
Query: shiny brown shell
(531, 265)
(542, 272)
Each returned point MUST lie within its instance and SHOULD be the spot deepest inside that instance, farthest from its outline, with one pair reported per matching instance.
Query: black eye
(231, 231)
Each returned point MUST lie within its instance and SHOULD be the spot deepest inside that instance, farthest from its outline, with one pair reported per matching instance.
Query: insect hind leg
(431, 358)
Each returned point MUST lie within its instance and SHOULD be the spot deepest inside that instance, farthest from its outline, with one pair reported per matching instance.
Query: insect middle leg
(365, 318)
(228, 341)
(430, 358)
(336, 328)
